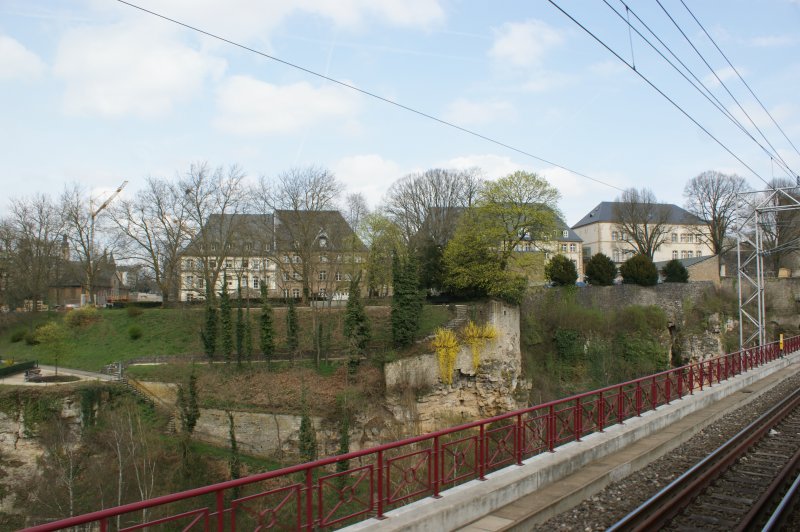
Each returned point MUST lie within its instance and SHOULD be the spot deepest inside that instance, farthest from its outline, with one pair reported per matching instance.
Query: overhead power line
(724, 86)
(697, 84)
(741, 78)
(370, 94)
(658, 90)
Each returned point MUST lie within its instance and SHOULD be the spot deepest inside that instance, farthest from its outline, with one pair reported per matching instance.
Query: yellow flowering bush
(446, 345)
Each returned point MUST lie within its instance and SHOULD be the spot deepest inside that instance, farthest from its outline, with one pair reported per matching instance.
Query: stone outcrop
(421, 402)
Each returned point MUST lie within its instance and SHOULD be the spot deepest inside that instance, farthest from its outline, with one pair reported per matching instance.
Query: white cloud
(256, 19)
(773, 41)
(524, 43)
(129, 69)
(17, 62)
(250, 106)
(782, 114)
(493, 166)
(369, 174)
(724, 74)
(463, 111)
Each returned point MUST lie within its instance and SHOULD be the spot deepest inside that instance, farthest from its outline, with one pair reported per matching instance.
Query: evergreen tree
(248, 336)
(407, 301)
(640, 270)
(234, 461)
(344, 442)
(292, 328)
(267, 332)
(239, 327)
(308, 435)
(188, 407)
(601, 270)
(226, 322)
(675, 272)
(561, 271)
(356, 324)
(209, 331)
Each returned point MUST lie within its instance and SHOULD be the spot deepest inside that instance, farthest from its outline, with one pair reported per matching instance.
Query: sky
(98, 92)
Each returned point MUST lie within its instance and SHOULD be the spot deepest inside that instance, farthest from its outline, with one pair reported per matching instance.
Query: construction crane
(92, 215)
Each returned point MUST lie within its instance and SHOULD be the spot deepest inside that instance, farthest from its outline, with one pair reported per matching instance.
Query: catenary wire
(722, 83)
(662, 93)
(371, 94)
(741, 78)
(697, 83)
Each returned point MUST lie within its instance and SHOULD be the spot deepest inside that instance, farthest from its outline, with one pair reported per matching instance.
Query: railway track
(738, 486)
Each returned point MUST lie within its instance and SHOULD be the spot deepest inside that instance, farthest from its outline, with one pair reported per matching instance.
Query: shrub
(82, 317)
(133, 311)
(18, 335)
(561, 271)
(601, 270)
(31, 338)
(675, 272)
(640, 270)
(135, 332)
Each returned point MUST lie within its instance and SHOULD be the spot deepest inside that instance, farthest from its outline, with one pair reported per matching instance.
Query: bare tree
(713, 197)
(642, 219)
(35, 226)
(213, 197)
(431, 201)
(155, 226)
(780, 228)
(302, 200)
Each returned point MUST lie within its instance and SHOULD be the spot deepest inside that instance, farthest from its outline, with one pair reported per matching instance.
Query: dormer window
(323, 242)
(565, 233)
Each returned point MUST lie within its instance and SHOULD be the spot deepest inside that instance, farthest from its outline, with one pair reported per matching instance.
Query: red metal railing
(313, 495)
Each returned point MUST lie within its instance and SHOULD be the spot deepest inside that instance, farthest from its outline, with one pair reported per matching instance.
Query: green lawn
(167, 332)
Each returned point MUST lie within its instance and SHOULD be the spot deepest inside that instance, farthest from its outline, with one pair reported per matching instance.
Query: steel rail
(659, 509)
(761, 507)
(778, 518)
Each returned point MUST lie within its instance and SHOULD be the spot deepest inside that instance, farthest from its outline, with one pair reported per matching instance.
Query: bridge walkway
(553, 499)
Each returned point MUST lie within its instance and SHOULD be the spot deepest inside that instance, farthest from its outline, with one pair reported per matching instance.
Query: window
(230, 283)
(698, 253)
(614, 236)
(285, 258)
(190, 297)
(245, 263)
(623, 237)
(689, 254)
(359, 258)
(285, 293)
(213, 246)
(573, 248)
(563, 248)
(338, 276)
(189, 264)
(616, 256)
(227, 246)
(201, 282)
(675, 238)
(323, 242)
(323, 258)
(285, 276)
(296, 276)
(675, 254)
(322, 292)
(323, 275)
(212, 264)
(255, 283)
(295, 293)
(248, 246)
(296, 259)
(189, 281)
(565, 233)
(338, 258)
(229, 263)
(684, 255)
(683, 238)
(690, 238)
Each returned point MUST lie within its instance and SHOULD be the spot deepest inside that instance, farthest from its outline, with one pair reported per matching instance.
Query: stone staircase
(460, 318)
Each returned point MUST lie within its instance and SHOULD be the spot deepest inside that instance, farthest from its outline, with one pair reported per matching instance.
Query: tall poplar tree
(267, 331)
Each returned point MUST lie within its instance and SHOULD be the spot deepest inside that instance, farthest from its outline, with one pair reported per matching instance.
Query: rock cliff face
(420, 402)
(20, 449)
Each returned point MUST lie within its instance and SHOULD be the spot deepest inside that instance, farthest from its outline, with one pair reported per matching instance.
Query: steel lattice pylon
(760, 205)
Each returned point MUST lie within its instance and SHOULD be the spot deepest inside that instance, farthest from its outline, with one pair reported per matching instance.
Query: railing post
(309, 500)
(691, 379)
(653, 393)
(578, 419)
(680, 382)
(220, 511)
(638, 397)
(380, 486)
(520, 439)
(104, 524)
(668, 388)
(436, 467)
(620, 405)
(702, 375)
(601, 413)
(551, 429)
(481, 452)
